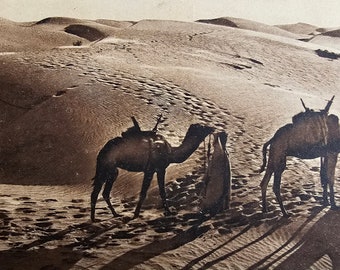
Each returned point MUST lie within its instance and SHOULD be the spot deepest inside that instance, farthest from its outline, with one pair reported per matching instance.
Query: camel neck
(183, 152)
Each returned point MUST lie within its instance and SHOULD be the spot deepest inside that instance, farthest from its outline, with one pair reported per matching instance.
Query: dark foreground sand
(61, 102)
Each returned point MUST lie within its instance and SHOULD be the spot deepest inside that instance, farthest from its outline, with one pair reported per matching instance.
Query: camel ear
(329, 103)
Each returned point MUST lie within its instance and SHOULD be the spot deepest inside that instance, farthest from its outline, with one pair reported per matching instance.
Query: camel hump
(303, 116)
(136, 131)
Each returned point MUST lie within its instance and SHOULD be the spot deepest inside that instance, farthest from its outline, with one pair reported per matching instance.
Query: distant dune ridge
(299, 28)
(251, 25)
(67, 86)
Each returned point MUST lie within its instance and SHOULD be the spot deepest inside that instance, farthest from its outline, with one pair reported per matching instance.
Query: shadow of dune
(322, 239)
(142, 254)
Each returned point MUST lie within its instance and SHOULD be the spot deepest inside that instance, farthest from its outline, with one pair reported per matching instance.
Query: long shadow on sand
(62, 257)
(59, 258)
(139, 255)
(280, 223)
(260, 264)
(322, 239)
(209, 264)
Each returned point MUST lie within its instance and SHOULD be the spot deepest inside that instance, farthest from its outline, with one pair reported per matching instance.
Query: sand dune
(329, 38)
(112, 23)
(300, 28)
(61, 103)
(27, 37)
(252, 25)
(59, 20)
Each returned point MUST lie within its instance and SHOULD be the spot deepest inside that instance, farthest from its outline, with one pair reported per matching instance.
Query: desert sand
(69, 85)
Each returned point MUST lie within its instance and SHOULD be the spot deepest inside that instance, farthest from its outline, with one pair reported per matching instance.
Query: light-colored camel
(312, 134)
(142, 151)
(217, 179)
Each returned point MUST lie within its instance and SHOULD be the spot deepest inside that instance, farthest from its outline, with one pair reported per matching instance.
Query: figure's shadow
(322, 239)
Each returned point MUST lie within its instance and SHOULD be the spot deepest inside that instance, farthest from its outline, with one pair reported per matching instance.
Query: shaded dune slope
(85, 31)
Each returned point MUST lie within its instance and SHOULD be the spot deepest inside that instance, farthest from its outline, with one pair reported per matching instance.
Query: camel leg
(145, 186)
(276, 189)
(107, 190)
(97, 186)
(161, 186)
(263, 185)
(331, 160)
(324, 180)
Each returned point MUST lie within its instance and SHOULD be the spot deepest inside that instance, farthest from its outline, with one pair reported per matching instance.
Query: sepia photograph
(169, 134)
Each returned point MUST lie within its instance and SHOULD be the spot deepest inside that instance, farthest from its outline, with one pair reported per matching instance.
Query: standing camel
(142, 151)
(312, 134)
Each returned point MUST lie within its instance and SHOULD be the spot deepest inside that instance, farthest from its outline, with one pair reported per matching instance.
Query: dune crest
(59, 20)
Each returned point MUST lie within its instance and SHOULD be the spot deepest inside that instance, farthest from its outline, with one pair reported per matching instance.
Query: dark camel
(311, 135)
(142, 151)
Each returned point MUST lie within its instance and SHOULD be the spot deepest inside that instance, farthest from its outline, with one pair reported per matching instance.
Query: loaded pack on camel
(217, 179)
(142, 151)
(311, 134)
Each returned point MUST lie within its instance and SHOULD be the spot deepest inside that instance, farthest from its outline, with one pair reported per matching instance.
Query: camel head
(199, 131)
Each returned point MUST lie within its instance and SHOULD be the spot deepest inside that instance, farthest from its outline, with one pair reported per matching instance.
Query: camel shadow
(252, 223)
(209, 264)
(322, 239)
(139, 255)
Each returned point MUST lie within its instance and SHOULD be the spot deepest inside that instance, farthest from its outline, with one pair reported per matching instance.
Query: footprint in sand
(79, 215)
(25, 210)
(23, 198)
(50, 200)
(44, 224)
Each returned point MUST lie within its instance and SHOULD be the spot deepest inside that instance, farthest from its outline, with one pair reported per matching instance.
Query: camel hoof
(170, 213)
(325, 203)
(334, 207)
(167, 213)
(286, 215)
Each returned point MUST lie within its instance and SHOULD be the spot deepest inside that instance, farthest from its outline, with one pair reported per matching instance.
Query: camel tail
(264, 156)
